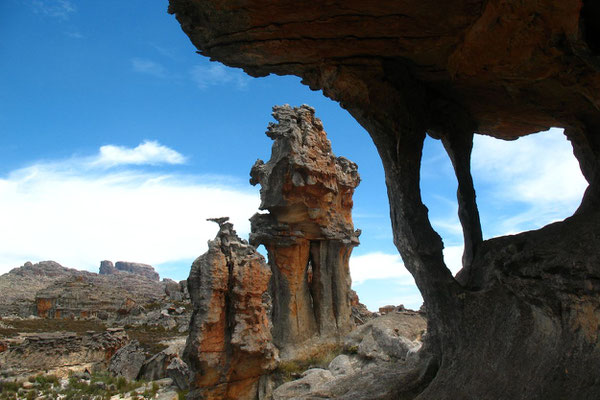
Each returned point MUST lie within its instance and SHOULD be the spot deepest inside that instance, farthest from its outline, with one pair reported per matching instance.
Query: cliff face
(502, 68)
(230, 344)
(308, 231)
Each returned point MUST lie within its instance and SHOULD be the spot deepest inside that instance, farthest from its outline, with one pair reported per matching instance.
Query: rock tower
(308, 231)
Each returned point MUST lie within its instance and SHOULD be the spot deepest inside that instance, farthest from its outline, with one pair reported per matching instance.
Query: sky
(117, 141)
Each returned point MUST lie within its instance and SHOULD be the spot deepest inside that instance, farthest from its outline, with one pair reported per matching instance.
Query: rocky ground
(58, 323)
(84, 356)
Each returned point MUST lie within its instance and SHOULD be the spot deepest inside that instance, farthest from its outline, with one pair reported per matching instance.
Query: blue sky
(117, 140)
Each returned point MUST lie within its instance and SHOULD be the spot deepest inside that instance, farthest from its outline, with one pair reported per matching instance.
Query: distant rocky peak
(44, 268)
(107, 268)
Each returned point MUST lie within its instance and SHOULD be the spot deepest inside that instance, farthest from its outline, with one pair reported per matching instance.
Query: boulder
(341, 365)
(180, 373)
(389, 337)
(156, 367)
(127, 361)
(310, 382)
(173, 290)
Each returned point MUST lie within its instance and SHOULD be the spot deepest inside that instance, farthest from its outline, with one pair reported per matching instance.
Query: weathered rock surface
(365, 374)
(391, 336)
(310, 381)
(360, 312)
(179, 371)
(230, 344)
(47, 351)
(20, 285)
(138, 269)
(308, 231)
(49, 290)
(107, 268)
(156, 367)
(127, 361)
(506, 69)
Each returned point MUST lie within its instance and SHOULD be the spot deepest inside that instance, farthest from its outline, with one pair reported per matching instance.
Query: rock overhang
(509, 69)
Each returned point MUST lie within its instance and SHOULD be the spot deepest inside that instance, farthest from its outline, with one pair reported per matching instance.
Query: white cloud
(148, 152)
(60, 9)
(67, 212)
(538, 171)
(378, 266)
(453, 258)
(148, 67)
(217, 74)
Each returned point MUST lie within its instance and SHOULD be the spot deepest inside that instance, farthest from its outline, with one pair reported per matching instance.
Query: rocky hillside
(125, 294)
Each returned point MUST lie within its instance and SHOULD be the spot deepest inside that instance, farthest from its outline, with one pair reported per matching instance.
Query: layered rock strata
(48, 351)
(230, 344)
(308, 231)
(49, 290)
(502, 68)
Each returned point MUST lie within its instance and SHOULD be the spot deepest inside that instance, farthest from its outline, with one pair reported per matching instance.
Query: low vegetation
(150, 336)
(98, 386)
(16, 326)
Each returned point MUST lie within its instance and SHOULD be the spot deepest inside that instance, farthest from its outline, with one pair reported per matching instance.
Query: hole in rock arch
(527, 183)
(438, 193)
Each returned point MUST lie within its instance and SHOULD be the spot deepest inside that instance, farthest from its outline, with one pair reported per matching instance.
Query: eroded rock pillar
(308, 231)
(230, 344)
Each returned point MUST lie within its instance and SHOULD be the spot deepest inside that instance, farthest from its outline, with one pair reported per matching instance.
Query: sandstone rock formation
(92, 295)
(20, 285)
(127, 361)
(107, 268)
(133, 297)
(308, 231)
(501, 68)
(49, 351)
(384, 349)
(230, 344)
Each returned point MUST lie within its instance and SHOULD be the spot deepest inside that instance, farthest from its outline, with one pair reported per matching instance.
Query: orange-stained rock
(230, 344)
(308, 231)
(43, 305)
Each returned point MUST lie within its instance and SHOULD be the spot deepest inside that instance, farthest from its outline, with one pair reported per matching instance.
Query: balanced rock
(308, 231)
(229, 345)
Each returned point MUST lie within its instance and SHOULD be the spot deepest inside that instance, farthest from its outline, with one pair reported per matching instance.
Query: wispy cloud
(74, 35)
(69, 212)
(216, 75)
(148, 152)
(149, 67)
(60, 9)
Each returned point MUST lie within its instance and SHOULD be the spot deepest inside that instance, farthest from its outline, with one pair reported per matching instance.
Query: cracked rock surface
(229, 345)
